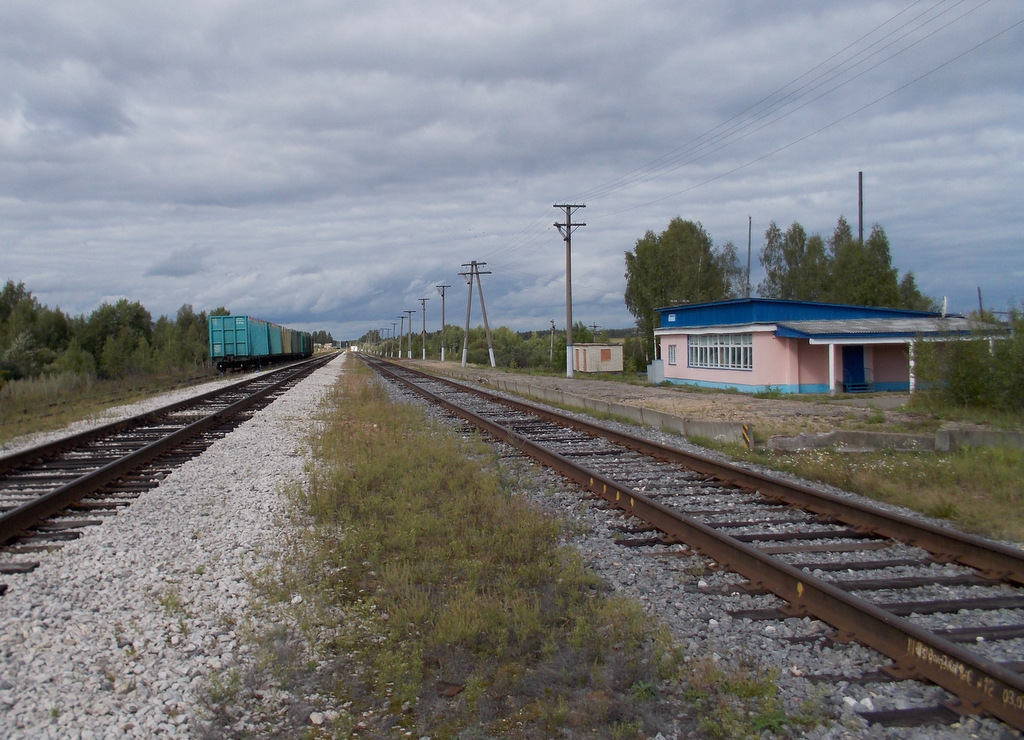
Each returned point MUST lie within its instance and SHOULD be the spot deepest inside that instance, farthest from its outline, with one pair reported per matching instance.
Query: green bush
(976, 373)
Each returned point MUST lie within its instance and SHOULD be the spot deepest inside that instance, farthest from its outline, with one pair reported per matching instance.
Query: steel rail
(17, 521)
(994, 560)
(52, 449)
(981, 686)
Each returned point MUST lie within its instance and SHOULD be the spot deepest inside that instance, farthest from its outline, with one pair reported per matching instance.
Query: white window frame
(672, 354)
(721, 351)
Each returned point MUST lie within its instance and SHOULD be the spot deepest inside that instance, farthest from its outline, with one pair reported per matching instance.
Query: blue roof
(770, 311)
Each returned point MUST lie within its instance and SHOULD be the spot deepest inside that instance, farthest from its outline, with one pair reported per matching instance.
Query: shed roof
(879, 328)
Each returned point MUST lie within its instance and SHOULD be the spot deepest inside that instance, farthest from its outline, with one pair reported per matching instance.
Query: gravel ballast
(693, 597)
(114, 634)
(120, 633)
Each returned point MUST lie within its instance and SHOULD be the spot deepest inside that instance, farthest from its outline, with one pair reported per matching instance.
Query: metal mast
(441, 289)
(410, 311)
(423, 331)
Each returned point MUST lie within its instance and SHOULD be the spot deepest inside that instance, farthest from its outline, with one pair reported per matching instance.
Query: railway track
(49, 493)
(944, 607)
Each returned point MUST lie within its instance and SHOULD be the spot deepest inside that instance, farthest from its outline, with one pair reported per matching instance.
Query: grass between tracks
(437, 603)
(461, 610)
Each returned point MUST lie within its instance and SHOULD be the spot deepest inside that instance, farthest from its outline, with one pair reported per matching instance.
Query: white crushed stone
(114, 634)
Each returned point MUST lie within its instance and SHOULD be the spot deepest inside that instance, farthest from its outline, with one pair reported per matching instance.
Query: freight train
(243, 343)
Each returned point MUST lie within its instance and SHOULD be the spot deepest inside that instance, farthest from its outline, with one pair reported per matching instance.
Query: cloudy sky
(327, 163)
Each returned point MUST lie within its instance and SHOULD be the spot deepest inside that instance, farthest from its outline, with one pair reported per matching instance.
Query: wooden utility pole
(441, 289)
(566, 230)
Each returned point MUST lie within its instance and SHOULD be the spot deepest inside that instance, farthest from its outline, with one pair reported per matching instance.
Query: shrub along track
(943, 606)
(48, 493)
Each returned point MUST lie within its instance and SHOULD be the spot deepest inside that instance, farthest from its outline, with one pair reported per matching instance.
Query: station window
(671, 354)
(721, 351)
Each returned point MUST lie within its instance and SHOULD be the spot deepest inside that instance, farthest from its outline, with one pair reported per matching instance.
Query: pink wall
(813, 363)
(892, 364)
(776, 361)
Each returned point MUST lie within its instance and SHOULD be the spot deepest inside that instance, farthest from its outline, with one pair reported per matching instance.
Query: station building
(756, 344)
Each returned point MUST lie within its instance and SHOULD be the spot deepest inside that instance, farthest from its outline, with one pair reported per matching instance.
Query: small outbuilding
(756, 344)
(597, 358)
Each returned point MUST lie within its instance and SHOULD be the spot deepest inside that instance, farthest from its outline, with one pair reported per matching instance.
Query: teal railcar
(245, 342)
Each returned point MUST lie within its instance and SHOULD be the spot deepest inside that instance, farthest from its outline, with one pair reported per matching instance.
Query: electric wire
(658, 166)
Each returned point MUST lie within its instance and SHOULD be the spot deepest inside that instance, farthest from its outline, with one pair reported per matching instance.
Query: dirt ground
(789, 416)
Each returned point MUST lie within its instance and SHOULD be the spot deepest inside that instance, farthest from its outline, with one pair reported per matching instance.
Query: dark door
(853, 365)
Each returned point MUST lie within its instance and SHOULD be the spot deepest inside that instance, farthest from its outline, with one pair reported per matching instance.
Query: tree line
(114, 341)
(683, 265)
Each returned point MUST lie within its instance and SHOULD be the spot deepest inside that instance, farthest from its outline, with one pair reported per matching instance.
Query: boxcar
(244, 342)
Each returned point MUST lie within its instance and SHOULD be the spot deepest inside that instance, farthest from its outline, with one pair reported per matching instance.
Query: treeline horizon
(112, 342)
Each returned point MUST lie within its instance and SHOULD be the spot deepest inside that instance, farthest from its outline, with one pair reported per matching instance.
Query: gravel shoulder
(117, 633)
(769, 416)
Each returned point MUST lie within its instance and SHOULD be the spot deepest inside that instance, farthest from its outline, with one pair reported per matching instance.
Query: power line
(827, 126)
(711, 142)
(753, 118)
(744, 124)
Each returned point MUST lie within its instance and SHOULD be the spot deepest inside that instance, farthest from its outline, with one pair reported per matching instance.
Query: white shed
(597, 358)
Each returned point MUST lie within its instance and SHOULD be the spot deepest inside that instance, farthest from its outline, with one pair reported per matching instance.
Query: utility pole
(469, 305)
(483, 310)
(392, 346)
(551, 349)
(750, 226)
(401, 332)
(566, 230)
(410, 311)
(474, 271)
(860, 206)
(441, 289)
(594, 328)
(423, 331)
